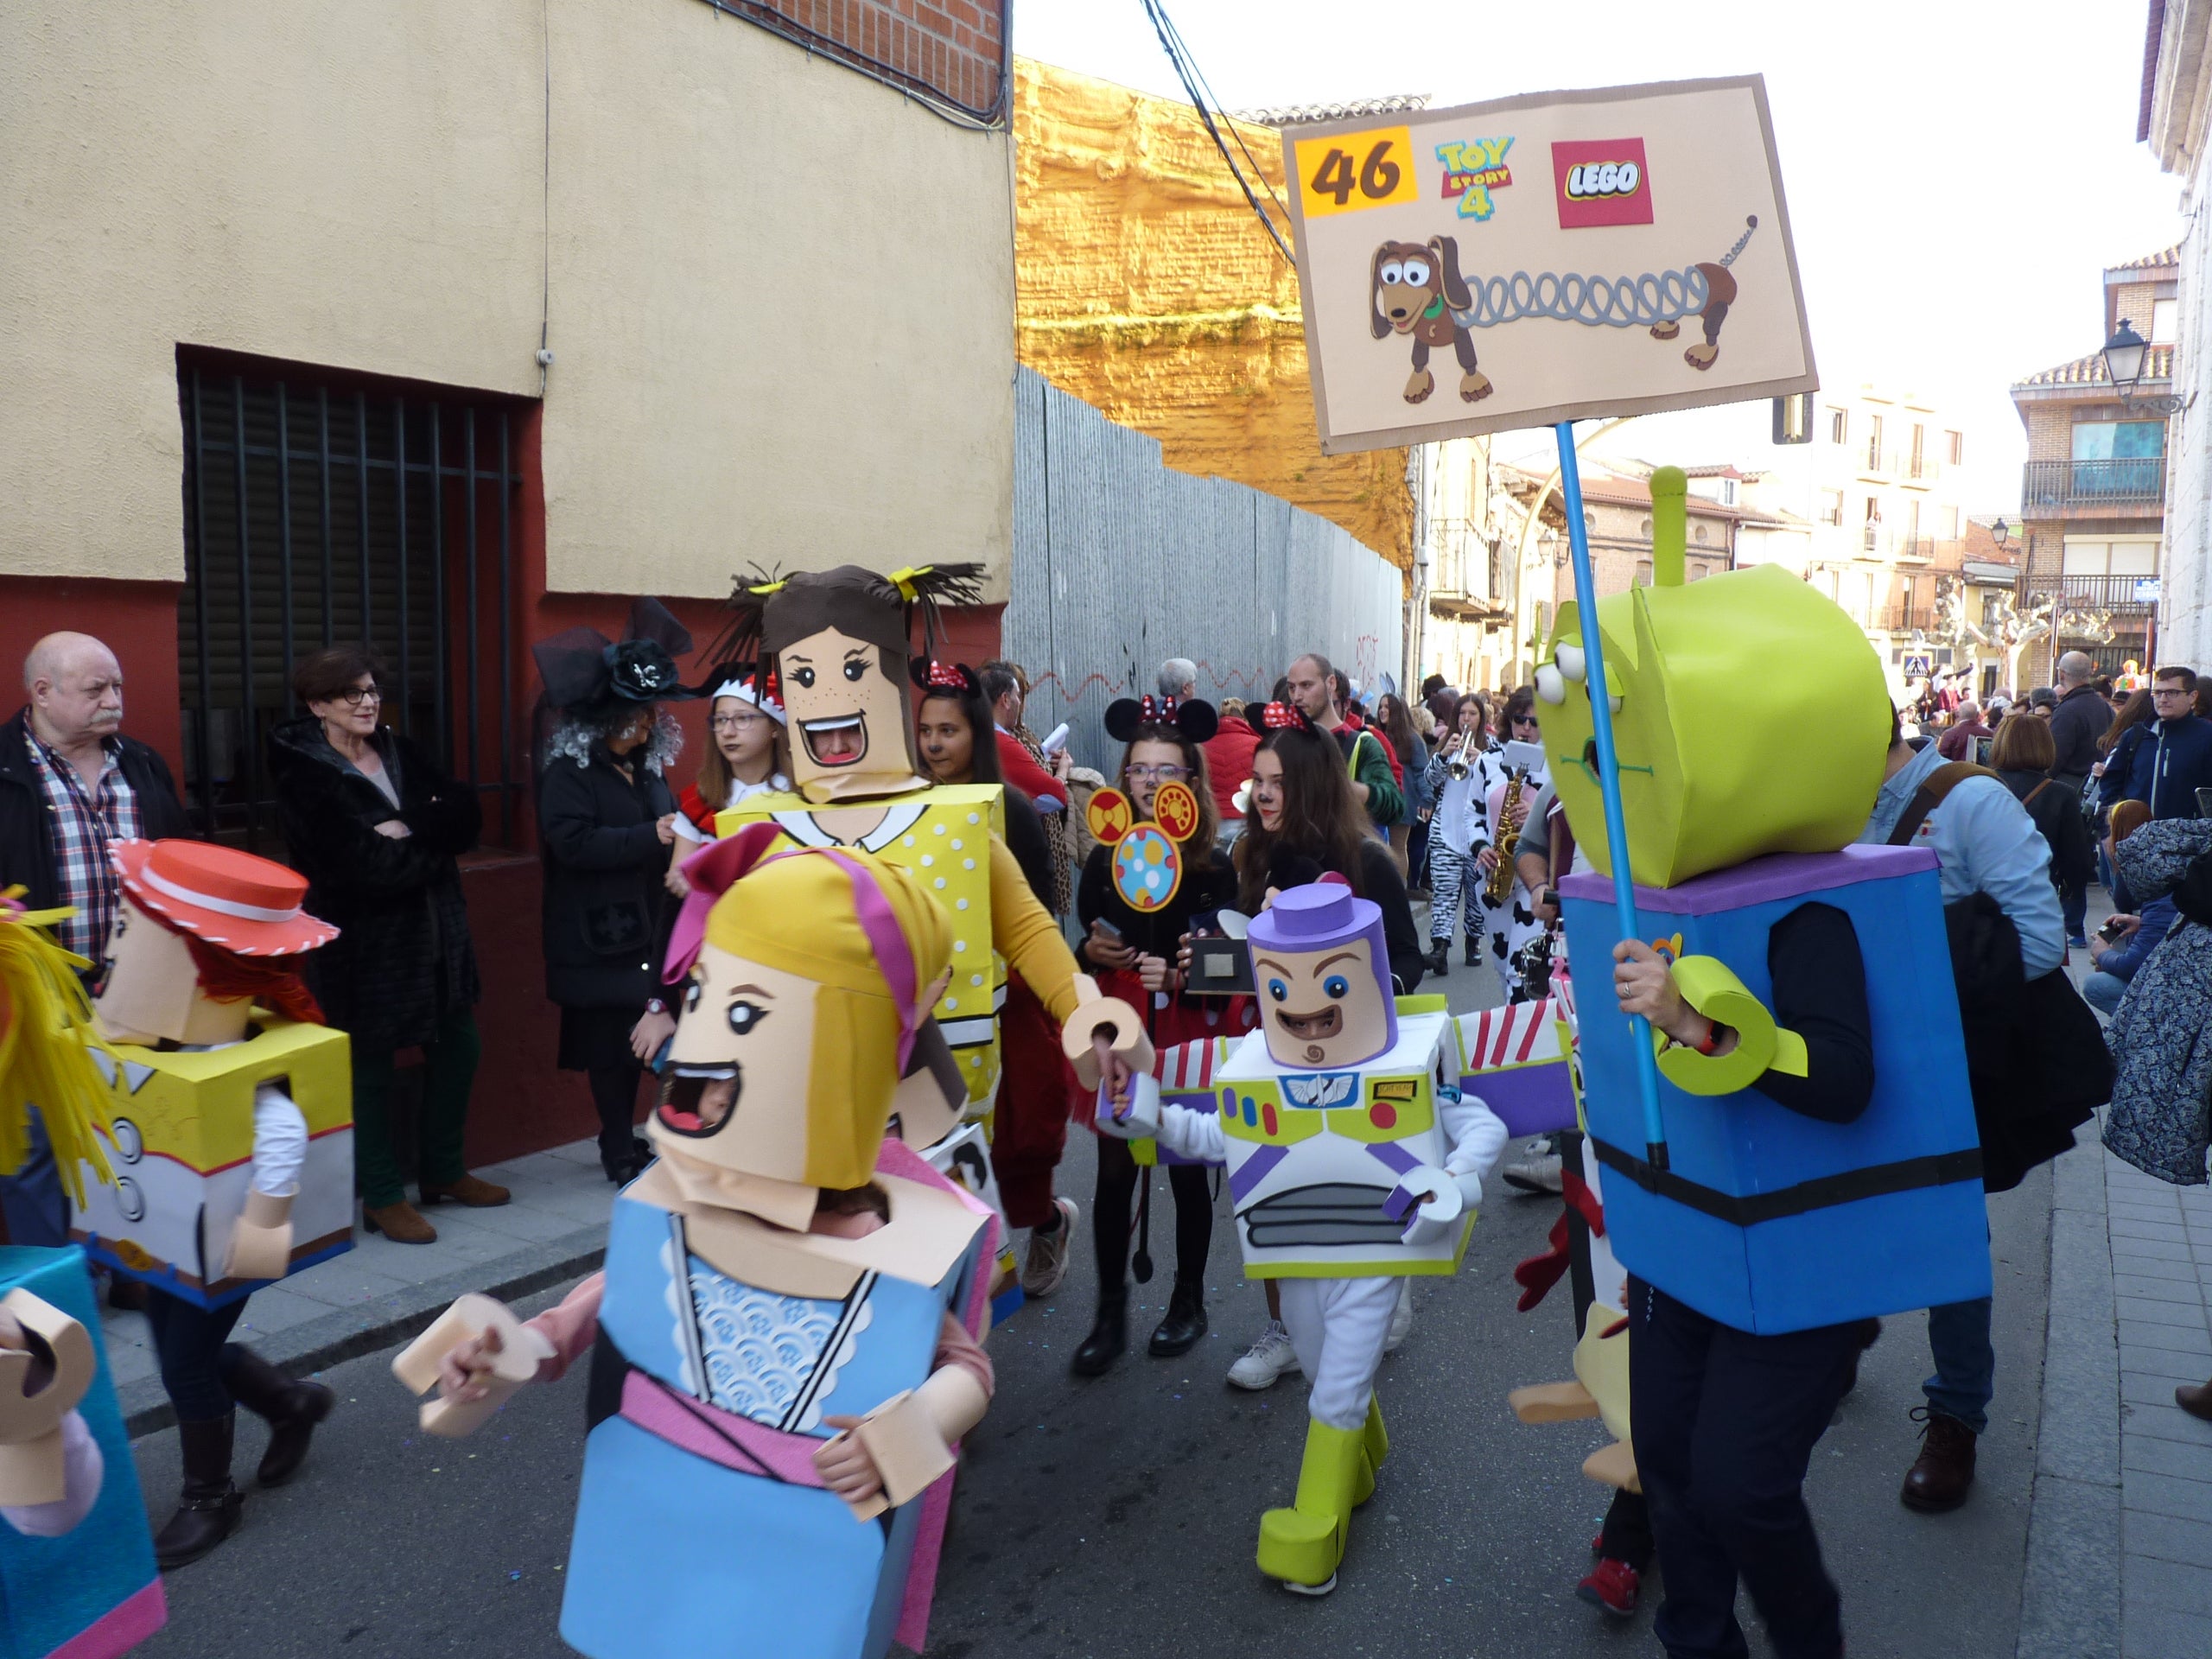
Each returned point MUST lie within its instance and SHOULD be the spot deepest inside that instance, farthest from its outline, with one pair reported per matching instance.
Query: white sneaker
(1536, 1170)
(1267, 1360)
(1402, 1317)
(1047, 1261)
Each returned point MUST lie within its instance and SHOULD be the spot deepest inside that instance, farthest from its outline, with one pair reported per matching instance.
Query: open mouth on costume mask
(841, 741)
(699, 1101)
(1312, 1027)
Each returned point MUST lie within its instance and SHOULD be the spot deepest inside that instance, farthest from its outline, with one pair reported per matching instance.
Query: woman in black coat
(374, 825)
(605, 823)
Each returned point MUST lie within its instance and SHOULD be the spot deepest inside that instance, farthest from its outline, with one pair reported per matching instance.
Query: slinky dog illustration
(1416, 288)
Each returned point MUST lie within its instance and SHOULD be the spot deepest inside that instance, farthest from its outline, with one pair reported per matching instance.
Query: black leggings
(614, 1091)
(1110, 1211)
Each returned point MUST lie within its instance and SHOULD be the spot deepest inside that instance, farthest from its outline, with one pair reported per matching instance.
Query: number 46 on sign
(1344, 173)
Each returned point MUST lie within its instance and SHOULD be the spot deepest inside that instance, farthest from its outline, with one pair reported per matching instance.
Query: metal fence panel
(1121, 563)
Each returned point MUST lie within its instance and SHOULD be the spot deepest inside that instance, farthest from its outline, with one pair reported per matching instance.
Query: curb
(349, 1332)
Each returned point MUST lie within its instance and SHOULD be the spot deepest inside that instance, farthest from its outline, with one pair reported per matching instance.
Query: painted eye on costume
(855, 668)
(804, 676)
(1335, 986)
(1277, 989)
(691, 997)
(745, 1017)
(1392, 271)
(1416, 274)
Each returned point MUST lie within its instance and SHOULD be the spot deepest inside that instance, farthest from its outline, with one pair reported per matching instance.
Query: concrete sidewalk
(379, 1293)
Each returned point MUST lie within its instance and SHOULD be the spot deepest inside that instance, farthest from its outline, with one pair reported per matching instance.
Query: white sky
(1959, 171)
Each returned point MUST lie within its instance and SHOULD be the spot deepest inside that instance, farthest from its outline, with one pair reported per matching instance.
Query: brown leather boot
(1940, 1476)
(401, 1223)
(209, 1509)
(2194, 1400)
(291, 1410)
(469, 1190)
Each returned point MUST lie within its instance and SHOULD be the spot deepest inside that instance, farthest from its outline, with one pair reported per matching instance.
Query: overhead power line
(1194, 83)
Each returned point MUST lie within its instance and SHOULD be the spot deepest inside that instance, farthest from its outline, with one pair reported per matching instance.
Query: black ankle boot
(291, 1410)
(207, 1510)
(1186, 1323)
(1109, 1335)
(1440, 957)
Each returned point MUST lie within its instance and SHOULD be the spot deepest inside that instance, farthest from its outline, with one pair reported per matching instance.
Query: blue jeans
(37, 1209)
(1966, 1365)
(197, 1356)
(2102, 992)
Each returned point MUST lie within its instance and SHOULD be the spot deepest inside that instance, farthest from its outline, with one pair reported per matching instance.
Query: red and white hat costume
(245, 903)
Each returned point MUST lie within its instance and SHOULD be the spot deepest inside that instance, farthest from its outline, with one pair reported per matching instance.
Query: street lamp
(2125, 355)
(1998, 531)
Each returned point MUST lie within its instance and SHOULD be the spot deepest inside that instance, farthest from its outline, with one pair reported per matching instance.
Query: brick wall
(954, 48)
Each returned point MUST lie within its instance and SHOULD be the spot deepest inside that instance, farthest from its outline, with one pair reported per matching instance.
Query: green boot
(1302, 1546)
(1374, 1446)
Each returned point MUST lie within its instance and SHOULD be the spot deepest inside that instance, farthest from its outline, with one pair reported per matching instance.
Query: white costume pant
(1339, 1326)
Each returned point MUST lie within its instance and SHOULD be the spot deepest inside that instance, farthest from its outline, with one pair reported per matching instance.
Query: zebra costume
(1458, 830)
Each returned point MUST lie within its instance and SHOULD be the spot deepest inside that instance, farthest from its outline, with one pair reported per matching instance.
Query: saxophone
(1508, 815)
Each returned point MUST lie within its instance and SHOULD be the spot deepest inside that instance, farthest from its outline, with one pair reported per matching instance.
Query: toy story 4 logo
(1471, 171)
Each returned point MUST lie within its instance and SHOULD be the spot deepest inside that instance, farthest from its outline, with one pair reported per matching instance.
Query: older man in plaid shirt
(71, 783)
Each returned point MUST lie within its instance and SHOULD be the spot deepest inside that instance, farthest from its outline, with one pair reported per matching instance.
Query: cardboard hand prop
(1709, 776)
(519, 1351)
(1323, 969)
(46, 1364)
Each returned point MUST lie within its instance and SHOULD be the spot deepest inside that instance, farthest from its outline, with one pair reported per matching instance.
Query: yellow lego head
(817, 971)
(1750, 714)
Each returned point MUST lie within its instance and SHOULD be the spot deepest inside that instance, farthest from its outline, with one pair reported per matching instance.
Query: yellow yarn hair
(796, 912)
(47, 1037)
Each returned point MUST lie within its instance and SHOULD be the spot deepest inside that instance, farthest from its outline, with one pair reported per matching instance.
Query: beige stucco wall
(781, 295)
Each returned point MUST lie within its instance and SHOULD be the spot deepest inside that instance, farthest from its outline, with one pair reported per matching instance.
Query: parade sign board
(1545, 258)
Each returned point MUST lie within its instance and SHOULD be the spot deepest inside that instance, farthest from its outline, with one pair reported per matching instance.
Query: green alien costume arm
(1814, 1053)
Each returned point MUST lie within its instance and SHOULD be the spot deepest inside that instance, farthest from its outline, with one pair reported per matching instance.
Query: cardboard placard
(1543, 258)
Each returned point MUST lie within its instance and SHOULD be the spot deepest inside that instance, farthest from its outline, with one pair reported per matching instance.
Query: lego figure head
(1324, 974)
(204, 932)
(839, 642)
(1750, 714)
(805, 988)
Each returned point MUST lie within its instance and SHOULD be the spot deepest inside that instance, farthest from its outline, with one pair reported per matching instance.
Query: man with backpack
(2029, 1060)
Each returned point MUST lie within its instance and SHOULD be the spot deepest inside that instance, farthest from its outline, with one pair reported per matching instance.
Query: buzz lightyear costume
(1353, 1161)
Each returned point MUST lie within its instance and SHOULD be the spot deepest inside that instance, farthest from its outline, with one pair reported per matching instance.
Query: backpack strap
(2029, 800)
(1929, 795)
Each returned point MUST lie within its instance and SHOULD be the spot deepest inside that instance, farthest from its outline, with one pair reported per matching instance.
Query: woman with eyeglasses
(1135, 956)
(375, 825)
(745, 757)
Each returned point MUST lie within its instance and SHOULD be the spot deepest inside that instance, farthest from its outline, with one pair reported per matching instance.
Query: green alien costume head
(1750, 714)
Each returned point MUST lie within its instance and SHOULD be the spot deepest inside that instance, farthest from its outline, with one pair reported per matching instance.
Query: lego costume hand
(1645, 984)
(1432, 1203)
(261, 1243)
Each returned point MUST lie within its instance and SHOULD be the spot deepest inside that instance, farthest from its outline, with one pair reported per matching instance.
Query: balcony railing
(1903, 619)
(2124, 597)
(2133, 483)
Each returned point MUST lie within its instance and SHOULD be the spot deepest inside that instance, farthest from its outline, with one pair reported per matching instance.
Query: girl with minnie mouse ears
(1134, 955)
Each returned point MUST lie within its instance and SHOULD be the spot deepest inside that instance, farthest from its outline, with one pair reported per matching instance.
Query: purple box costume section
(1316, 917)
(1533, 1095)
(1767, 1220)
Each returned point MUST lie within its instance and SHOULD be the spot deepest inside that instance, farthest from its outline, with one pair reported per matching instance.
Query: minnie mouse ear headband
(583, 670)
(743, 681)
(1287, 716)
(933, 678)
(1126, 716)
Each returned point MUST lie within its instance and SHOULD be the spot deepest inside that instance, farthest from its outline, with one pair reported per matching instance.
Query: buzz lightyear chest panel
(1766, 1219)
(180, 1144)
(942, 837)
(1315, 1157)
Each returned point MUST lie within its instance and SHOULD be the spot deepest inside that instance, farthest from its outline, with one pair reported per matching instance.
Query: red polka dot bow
(1281, 716)
(1160, 709)
(948, 677)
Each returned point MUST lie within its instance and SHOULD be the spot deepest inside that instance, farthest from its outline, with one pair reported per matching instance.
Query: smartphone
(2112, 929)
(1101, 926)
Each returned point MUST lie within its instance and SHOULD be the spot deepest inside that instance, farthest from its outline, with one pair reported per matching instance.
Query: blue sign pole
(1609, 779)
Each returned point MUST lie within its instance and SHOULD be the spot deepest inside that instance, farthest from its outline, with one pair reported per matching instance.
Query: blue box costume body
(1767, 1220)
(92, 1592)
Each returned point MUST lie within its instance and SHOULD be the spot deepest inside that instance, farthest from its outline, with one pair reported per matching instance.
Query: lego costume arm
(84, 1470)
(50, 1466)
(1025, 935)
(1186, 1133)
(261, 1243)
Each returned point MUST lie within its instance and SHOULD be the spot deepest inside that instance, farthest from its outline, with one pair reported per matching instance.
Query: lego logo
(1593, 180)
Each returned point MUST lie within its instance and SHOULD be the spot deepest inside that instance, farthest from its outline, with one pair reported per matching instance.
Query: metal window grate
(315, 514)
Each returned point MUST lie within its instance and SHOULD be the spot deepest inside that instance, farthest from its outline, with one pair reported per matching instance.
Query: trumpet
(1458, 766)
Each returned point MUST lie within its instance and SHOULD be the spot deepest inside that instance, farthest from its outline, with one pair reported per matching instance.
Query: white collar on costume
(897, 820)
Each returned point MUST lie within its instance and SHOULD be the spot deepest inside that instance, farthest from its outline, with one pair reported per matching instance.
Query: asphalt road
(1115, 1519)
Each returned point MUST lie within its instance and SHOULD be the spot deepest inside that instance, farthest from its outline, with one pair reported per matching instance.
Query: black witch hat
(587, 676)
